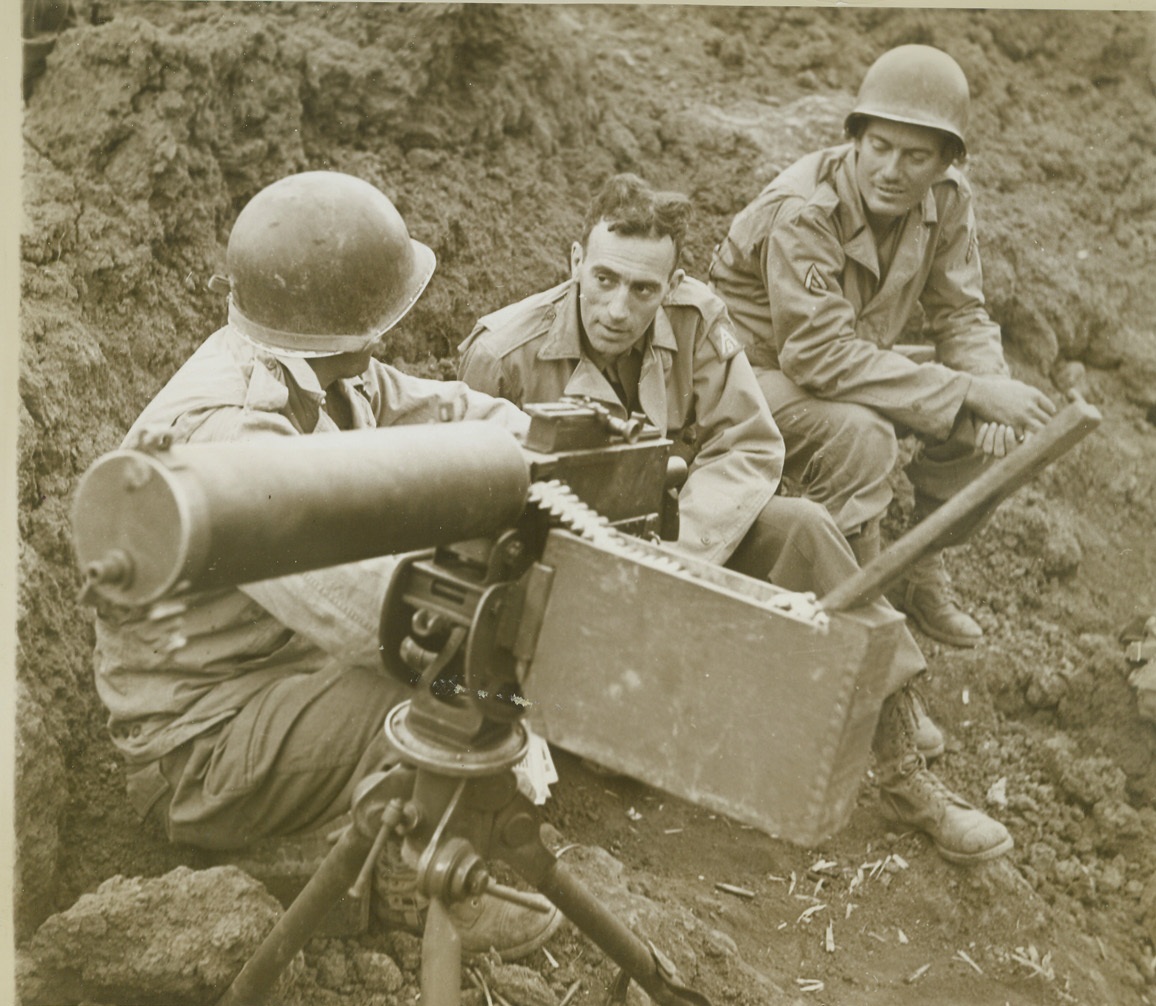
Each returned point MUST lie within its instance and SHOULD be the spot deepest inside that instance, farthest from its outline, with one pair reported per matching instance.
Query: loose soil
(489, 126)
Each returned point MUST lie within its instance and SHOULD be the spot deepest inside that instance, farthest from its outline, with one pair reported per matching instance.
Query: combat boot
(929, 740)
(915, 796)
(867, 546)
(911, 794)
(926, 597)
(483, 922)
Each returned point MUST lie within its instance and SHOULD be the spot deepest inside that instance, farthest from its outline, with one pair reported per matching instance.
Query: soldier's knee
(863, 443)
(798, 511)
(809, 521)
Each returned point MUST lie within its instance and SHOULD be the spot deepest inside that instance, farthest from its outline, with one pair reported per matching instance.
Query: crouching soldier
(823, 273)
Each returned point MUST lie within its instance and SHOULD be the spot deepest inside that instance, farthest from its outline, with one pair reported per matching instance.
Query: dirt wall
(489, 126)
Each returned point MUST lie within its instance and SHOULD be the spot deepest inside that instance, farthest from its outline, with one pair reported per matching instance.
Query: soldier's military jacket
(696, 384)
(237, 640)
(800, 275)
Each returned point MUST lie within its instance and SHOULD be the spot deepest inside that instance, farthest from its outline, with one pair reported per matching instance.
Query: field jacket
(238, 640)
(799, 273)
(696, 384)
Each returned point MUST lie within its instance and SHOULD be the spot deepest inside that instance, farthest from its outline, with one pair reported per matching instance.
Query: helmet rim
(321, 263)
(918, 85)
(305, 344)
(940, 127)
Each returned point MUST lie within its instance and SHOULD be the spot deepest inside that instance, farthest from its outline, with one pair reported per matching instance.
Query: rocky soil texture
(489, 126)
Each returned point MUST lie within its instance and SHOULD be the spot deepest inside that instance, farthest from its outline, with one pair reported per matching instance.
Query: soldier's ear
(575, 259)
(675, 279)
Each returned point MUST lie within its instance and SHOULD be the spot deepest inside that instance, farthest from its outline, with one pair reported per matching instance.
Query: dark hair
(951, 147)
(632, 208)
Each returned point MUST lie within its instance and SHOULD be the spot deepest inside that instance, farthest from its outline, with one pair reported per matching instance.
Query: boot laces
(922, 787)
(930, 571)
(919, 708)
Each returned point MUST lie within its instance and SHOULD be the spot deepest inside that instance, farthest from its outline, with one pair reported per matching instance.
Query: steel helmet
(918, 84)
(321, 263)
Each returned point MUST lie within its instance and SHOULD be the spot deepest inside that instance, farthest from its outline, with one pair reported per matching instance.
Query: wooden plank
(1067, 428)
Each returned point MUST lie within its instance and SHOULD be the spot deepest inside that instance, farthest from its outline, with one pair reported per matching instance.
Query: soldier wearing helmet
(840, 256)
(262, 724)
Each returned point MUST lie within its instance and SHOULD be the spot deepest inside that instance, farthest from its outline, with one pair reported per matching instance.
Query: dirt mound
(489, 125)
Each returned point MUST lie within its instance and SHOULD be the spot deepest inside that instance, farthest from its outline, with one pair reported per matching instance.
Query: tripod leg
(293, 930)
(441, 958)
(340, 869)
(523, 849)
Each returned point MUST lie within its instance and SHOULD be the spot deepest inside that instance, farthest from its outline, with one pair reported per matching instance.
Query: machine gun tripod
(473, 812)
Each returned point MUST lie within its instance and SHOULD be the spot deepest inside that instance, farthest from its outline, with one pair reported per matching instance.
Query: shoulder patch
(814, 280)
(972, 236)
(724, 340)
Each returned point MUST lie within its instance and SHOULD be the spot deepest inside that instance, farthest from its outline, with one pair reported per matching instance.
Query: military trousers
(286, 763)
(842, 454)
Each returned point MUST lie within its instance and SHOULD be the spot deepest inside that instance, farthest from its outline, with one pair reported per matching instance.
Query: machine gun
(539, 593)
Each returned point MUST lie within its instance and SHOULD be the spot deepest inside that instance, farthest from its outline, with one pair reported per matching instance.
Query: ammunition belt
(569, 513)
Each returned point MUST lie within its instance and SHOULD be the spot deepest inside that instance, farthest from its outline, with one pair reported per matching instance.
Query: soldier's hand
(996, 439)
(1008, 402)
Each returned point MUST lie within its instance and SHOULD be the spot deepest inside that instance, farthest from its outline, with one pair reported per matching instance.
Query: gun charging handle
(629, 429)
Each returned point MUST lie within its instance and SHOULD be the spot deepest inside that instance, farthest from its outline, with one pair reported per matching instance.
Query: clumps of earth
(147, 126)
